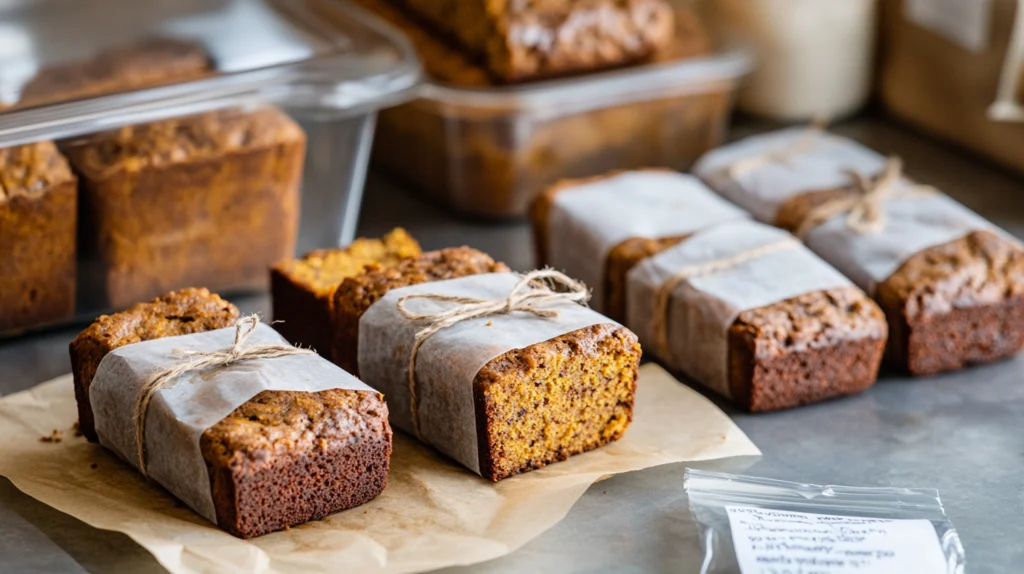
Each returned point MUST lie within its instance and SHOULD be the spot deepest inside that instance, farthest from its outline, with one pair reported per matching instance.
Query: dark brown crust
(355, 295)
(582, 36)
(956, 304)
(286, 457)
(38, 223)
(527, 365)
(179, 313)
(806, 349)
(794, 210)
(210, 200)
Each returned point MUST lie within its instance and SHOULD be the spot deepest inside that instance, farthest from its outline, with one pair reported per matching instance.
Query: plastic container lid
(321, 57)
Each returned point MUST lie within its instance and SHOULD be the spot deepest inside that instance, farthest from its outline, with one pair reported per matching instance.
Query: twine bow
(534, 289)
(781, 155)
(864, 209)
(659, 319)
(202, 360)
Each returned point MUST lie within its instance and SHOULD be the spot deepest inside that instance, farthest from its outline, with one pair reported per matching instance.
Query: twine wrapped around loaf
(201, 360)
(659, 319)
(864, 210)
(807, 141)
(536, 288)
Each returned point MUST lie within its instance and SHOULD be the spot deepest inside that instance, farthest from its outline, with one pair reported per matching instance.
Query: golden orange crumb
(55, 436)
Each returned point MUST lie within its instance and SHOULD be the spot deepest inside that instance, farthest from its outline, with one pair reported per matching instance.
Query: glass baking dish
(488, 151)
(150, 146)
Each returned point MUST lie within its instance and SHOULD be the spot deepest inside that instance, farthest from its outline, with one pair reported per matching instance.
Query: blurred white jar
(814, 57)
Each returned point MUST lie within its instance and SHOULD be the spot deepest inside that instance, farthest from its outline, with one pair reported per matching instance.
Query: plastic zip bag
(715, 496)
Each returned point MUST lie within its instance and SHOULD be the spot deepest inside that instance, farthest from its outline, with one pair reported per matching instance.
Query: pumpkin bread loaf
(280, 459)
(303, 288)
(38, 220)
(535, 405)
(210, 200)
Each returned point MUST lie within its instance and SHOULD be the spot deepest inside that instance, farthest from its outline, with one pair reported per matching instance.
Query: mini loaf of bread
(526, 407)
(280, 459)
(38, 216)
(951, 284)
(598, 228)
(302, 289)
(518, 42)
(751, 313)
(210, 199)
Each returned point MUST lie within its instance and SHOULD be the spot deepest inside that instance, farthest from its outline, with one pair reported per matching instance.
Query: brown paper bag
(947, 89)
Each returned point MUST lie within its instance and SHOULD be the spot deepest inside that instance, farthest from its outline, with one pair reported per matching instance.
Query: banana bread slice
(302, 289)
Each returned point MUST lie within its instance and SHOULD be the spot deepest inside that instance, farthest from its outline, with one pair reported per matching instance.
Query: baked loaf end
(302, 289)
(956, 304)
(177, 313)
(288, 457)
(549, 401)
(355, 294)
(38, 214)
(809, 348)
(518, 41)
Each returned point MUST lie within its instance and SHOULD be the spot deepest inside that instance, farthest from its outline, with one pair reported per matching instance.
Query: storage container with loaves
(302, 289)
(268, 436)
(950, 283)
(502, 373)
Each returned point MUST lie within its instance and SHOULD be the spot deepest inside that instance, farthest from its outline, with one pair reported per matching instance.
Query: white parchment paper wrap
(587, 221)
(912, 224)
(763, 190)
(181, 411)
(448, 361)
(702, 308)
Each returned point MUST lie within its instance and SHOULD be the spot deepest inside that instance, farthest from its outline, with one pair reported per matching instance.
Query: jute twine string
(534, 289)
(659, 320)
(864, 210)
(202, 360)
(807, 141)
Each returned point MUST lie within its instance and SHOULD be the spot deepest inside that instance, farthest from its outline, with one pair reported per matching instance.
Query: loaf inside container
(534, 405)
(302, 289)
(38, 245)
(278, 460)
(517, 41)
(210, 199)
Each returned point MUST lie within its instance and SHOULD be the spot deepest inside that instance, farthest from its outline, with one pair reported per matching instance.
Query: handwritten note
(781, 542)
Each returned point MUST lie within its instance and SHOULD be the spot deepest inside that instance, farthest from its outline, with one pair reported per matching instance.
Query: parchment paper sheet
(433, 513)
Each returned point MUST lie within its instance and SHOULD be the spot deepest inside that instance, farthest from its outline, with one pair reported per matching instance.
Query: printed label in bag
(781, 542)
(966, 22)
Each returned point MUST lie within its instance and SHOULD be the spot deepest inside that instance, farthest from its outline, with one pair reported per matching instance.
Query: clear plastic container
(207, 139)
(488, 151)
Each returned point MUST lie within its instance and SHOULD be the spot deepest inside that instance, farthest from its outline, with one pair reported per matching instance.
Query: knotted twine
(807, 141)
(864, 210)
(534, 289)
(659, 320)
(202, 360)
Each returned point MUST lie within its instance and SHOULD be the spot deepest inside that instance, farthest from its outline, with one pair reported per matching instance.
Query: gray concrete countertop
(959, 433)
